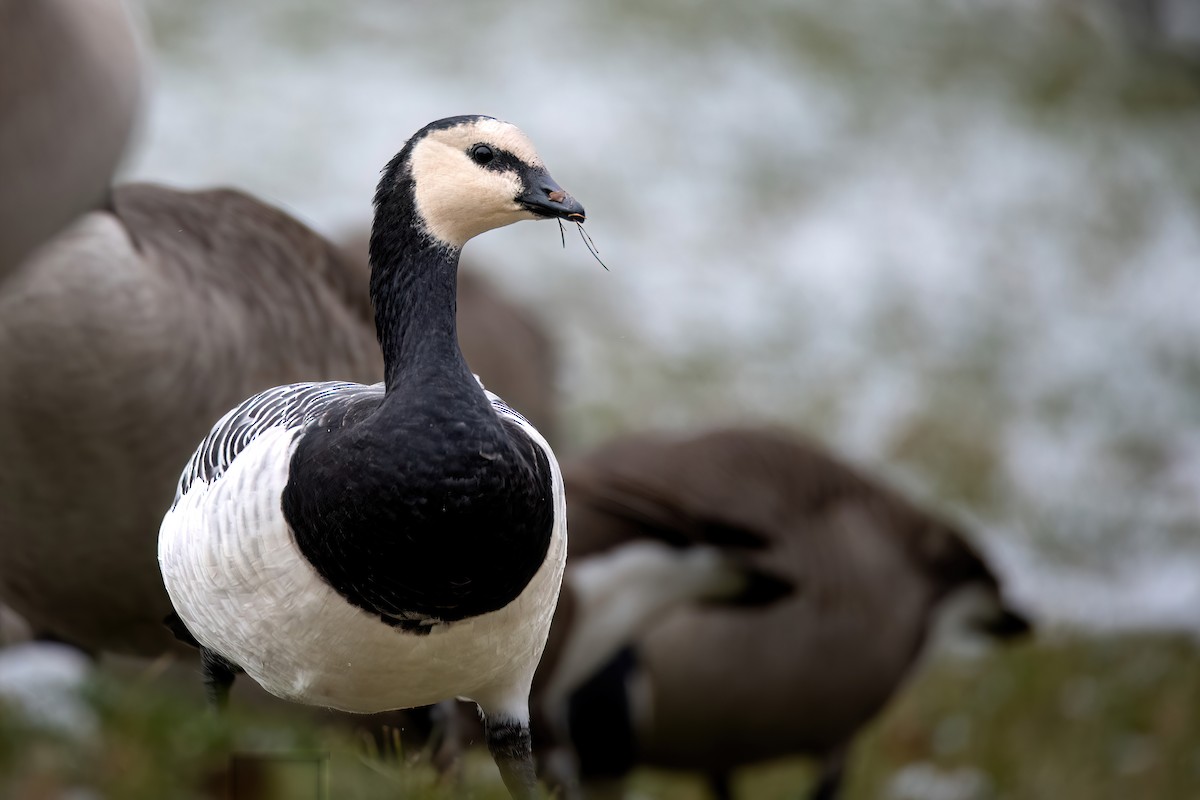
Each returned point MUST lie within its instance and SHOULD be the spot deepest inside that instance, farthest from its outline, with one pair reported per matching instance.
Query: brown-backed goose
(711, 689)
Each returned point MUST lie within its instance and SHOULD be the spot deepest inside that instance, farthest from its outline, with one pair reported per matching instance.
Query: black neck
(424, 506)
(414, 283)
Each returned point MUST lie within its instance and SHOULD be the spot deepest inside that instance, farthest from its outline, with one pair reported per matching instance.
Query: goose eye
(481, 154)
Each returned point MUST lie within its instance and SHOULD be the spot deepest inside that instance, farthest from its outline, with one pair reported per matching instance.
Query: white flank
(621, 592)
(955, 628)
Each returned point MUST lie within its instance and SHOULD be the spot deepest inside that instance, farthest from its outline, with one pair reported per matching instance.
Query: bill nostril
(556, 196)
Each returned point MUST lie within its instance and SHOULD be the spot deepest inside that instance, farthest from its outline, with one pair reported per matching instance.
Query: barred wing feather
(294, 405)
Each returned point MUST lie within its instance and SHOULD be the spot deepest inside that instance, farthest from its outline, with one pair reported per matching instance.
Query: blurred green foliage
(1071, 719)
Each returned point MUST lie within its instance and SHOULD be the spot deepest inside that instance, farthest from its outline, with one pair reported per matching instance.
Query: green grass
(1103, 718)
(1072, 719)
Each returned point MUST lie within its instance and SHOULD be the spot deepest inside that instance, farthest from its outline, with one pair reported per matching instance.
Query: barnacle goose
(374, 547)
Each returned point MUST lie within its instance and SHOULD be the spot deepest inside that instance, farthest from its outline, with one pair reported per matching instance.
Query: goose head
(467, 175)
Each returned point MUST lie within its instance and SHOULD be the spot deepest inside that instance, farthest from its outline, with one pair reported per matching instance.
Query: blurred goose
(709, 689)
(505, 344)
(121, 341)
(386, 546)
(610, 598)
(69, 82)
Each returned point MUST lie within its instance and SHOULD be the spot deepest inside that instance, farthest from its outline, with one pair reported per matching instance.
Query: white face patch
(459, 199)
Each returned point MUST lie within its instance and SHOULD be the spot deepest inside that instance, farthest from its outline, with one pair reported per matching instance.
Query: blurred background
(958, 241)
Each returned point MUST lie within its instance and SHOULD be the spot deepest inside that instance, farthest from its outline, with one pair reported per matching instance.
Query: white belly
(242, 588)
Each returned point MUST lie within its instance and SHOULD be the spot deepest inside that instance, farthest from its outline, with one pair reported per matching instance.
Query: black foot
(510, 746)
(218, 678)
(447, 739)
(829, 782)
(721, 786)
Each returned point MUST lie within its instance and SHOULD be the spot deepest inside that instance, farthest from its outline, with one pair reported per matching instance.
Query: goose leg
(721, 786)
(833, 772)
(218, 678)
(446, 739)
(508, 740)
(605, 789)
(560, 772)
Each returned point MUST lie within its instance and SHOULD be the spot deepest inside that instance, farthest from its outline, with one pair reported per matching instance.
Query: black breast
(433, 517)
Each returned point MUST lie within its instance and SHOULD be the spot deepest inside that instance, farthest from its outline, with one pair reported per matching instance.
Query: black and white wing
(225, 530)
(510, 414)
(292, 406)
